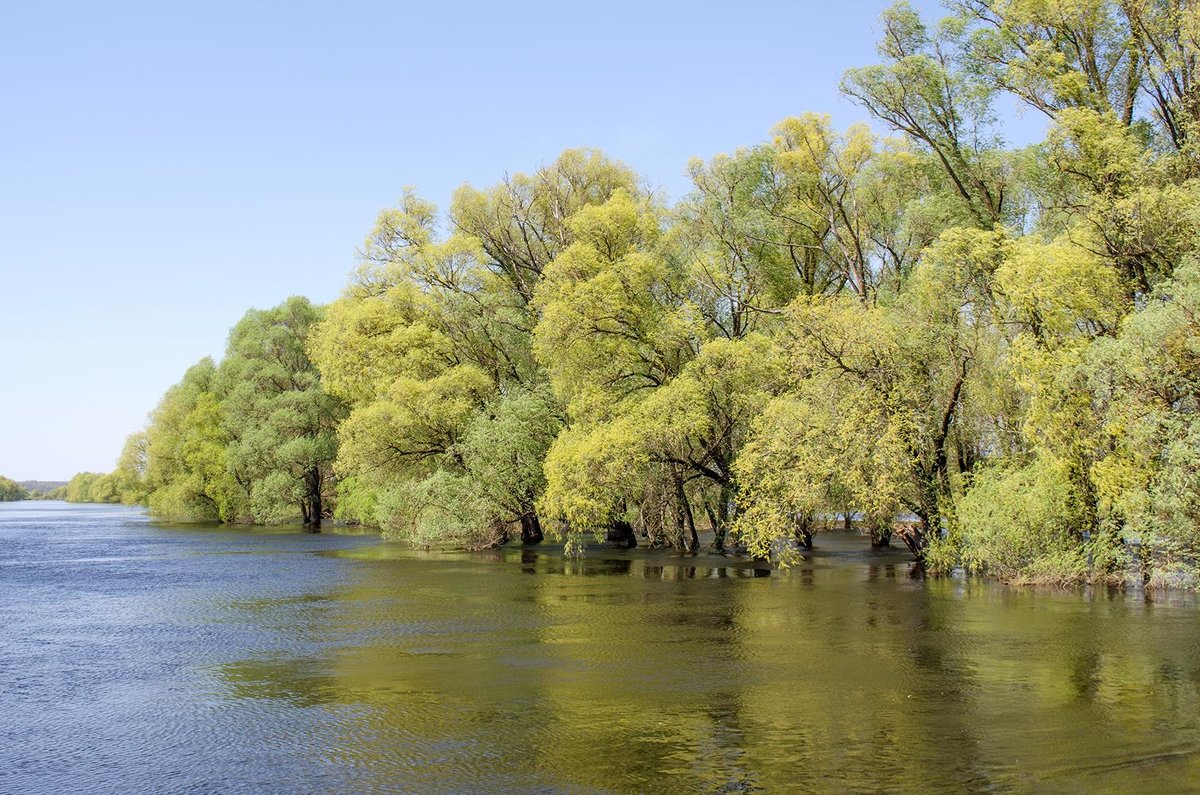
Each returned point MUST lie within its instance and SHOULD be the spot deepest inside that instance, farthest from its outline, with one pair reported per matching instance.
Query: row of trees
(12, 491)
(988, 352)
(250, 440)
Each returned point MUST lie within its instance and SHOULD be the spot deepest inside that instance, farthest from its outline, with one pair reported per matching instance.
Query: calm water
(137, 657)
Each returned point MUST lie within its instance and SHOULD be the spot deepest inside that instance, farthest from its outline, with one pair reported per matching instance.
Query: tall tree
(431, 346)
(10, 491)
(924, 90)
(186, 476)
(281, 424)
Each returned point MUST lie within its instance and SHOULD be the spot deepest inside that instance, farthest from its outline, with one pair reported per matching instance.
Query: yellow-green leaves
(1147, 387)
(1059, 291)
(1022, 523)
(431, 345)
(846, 432)
(658, 398)
(413, 425)
(614, 315)
(924, 90)
(522, 224)
(11, 491)
(365, 343)
(594, 474)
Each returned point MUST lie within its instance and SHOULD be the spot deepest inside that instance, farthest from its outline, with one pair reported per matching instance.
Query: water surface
(141, 657)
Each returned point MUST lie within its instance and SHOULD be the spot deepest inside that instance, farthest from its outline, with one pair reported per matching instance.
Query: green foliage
(250, 440)
(10, 491)
(129, 478)
(880, 411)
(431, 346)
(659, 374)
(926, 91)
(503, 449)
(281, 424)
(1023, 522)
(186, 472)
(93, 487)
(610, 321)
(443, 509)
(1147, 385)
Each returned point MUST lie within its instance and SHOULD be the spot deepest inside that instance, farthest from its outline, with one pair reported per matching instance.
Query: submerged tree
(431, 347)
(1147, 386)
(186, 475)
(281, 424)
(877, 412)
(250, 440)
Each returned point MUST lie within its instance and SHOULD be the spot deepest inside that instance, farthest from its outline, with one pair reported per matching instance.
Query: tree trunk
(691, 541)
(620, 535)
(803, 530)
(312, 501)
(684, 521)
(916, 537)
(881, 533)
(531, 529)
(718, 526)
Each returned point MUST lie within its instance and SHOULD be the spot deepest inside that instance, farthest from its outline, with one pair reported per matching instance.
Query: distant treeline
(1001, 344)
(11, 491)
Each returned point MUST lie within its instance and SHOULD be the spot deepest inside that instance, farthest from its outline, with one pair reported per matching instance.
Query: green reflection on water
(642, 672)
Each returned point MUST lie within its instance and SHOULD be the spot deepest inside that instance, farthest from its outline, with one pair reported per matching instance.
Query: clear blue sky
(164, 166)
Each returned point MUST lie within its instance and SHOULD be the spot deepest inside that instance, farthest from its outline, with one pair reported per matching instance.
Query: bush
(1021, 524)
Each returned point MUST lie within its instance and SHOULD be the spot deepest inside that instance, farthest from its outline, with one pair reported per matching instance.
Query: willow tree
(186, 475)
(659, 368)
(431, 346)
(882, 409)
(280, 422)
(1136, 60)
(813, 211)
(11, 491)
(615, 327)
(133, 467)
(926, 90)
(859, 189)
(1147, 386)
(1036, 503)
(1116, 198)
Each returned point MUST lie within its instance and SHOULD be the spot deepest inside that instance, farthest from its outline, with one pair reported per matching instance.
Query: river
(140, 657)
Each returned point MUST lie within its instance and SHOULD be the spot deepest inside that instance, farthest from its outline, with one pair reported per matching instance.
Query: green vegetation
(990, 353)
(45, 489)
(93, 487)
(251, 440)
(11, 491)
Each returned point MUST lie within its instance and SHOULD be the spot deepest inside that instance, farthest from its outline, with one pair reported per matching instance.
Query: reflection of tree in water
(298, 681)
(834, 666)
(646, 684)
(628, 674)
(420, 675)
(941, 680)
(1069, 689)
